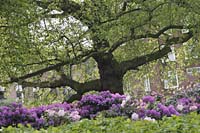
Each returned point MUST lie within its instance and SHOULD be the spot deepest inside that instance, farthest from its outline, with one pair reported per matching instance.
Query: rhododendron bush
(106, 104)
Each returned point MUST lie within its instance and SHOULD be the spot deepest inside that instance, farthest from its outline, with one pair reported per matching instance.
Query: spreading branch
(63, 81)
(36, 73)
(80, 88)
(148, 35)
(139, 61)
(80, 58)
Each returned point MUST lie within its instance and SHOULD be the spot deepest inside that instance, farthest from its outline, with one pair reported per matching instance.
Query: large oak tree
(38, 36)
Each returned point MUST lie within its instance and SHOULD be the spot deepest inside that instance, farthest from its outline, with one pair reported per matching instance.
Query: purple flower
(141, 112)
(172, 110)
(51, 122)
(153, 113)
(148, 99)
(164, 110)
(184, 101)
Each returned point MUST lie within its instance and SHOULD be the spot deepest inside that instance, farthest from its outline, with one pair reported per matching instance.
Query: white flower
(51, 112)
(192, 108)
(134, 116)
(149, 119)
(123, 103)
(128, 98)
(180, 107)
(61, 112)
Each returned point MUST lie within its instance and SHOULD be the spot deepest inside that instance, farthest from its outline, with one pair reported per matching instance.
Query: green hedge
(176, 124)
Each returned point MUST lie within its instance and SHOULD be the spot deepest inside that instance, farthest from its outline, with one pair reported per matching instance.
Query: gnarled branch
(80, 58)
(139, 61)
(80, 88)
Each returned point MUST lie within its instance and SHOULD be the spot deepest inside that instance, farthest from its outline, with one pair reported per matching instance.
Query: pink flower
(192, 108)
(74, 115)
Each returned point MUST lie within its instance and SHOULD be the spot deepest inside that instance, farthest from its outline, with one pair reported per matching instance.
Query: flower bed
(106, 104)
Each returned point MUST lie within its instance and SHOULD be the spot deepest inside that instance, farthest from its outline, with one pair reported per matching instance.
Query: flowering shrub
(91, 104)
(149, 108)
(186, 101)
(55, 117)
(154, 107)
(58, 114)
(192, 94)
(15, 113)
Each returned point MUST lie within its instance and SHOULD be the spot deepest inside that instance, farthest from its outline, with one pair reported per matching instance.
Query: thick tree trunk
(112, 83)
(111, 77)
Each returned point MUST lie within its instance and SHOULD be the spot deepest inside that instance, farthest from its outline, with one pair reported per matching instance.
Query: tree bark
(111, 77)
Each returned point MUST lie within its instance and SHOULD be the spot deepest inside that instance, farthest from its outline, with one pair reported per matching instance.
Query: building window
(193, 70)
(19, 92)
(172, 80)
(171, 55)
(147, 86)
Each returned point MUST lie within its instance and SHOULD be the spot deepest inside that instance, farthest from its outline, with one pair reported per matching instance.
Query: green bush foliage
(6, 102)
(176, 124)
